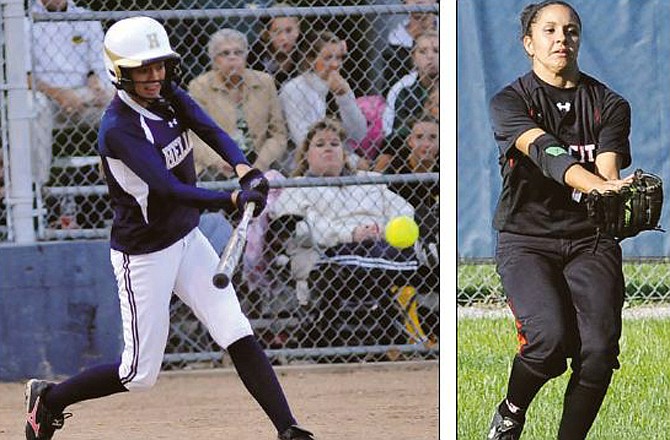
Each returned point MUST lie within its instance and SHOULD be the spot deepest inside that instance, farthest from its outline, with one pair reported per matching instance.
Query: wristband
(551, 157)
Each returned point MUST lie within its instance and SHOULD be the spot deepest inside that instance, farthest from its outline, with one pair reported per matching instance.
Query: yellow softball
(402, 232)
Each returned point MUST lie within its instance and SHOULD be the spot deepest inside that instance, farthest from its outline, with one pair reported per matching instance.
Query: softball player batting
(156, 247)
(561, 134)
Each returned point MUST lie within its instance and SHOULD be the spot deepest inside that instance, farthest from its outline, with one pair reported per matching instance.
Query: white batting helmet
(134, 42)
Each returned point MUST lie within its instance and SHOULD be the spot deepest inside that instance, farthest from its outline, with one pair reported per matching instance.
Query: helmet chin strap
(128, 86)
(160, 106)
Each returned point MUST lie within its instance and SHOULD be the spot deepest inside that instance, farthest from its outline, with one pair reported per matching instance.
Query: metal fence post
(20, 194)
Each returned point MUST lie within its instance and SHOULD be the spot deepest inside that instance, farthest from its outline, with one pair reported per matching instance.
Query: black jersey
(588, 120)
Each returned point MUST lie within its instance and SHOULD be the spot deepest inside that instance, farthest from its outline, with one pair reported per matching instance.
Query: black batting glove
(254, 180)
(246, 196)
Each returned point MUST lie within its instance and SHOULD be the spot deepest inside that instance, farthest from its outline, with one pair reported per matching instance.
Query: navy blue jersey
(588, 120)
(150, 172)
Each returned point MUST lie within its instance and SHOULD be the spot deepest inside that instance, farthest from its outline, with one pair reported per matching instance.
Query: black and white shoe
(504, 428)
(40, 422)
(295, 432)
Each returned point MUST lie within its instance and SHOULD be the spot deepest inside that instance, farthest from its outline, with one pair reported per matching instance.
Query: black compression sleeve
(551, 157)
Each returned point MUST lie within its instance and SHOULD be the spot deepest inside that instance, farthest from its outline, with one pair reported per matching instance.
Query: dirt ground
(371, 402)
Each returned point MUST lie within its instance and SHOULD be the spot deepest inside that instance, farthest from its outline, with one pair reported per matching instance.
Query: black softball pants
(566, 296)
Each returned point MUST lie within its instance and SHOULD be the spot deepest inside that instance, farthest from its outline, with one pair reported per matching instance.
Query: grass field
(636, 407)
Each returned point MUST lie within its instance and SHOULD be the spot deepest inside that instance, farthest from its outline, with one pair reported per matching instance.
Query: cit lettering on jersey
(585, 153)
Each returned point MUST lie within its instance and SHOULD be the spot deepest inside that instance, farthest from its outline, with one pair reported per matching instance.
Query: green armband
(551, 157)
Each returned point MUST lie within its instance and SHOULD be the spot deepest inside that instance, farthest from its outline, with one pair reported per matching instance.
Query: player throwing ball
(561, 134)
(156, 247)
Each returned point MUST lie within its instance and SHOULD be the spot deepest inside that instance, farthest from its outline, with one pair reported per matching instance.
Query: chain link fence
(386, 99)
(4, 161)
(284, 41)
(351, 303)
(646, 279)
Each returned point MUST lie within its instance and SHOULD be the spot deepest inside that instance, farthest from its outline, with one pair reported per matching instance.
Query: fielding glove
(635, 208)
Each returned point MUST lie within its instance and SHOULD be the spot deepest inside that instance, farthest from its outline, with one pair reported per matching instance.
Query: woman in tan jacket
(243, 101)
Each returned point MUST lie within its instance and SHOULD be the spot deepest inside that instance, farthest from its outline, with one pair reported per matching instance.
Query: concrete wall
(59, 309)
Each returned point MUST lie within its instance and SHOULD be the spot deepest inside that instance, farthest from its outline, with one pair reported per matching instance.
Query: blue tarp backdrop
(625, 44)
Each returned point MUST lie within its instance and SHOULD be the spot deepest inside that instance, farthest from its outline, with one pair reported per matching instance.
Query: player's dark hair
(529, 14)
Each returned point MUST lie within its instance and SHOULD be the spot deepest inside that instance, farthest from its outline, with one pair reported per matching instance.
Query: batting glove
(255, 180)
(246, 196)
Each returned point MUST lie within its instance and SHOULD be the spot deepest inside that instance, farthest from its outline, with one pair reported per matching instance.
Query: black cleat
(40, 422)
(295, 432)
(504, 428)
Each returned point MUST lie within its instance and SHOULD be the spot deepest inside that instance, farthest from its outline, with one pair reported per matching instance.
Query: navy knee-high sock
(95, 382)
(259, 378)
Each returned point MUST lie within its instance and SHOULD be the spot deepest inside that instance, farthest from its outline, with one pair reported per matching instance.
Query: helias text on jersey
(176, 151)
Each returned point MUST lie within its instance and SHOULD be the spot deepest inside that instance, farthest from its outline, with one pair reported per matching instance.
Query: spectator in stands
(336, 215)
(41, 124)
(408, 96)
(67, 66)
(432, 105)
(244, 102)
(340, 224)
(420, 154)
(401, 39)
(322, 91)
(71, 91)
(276, 51)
